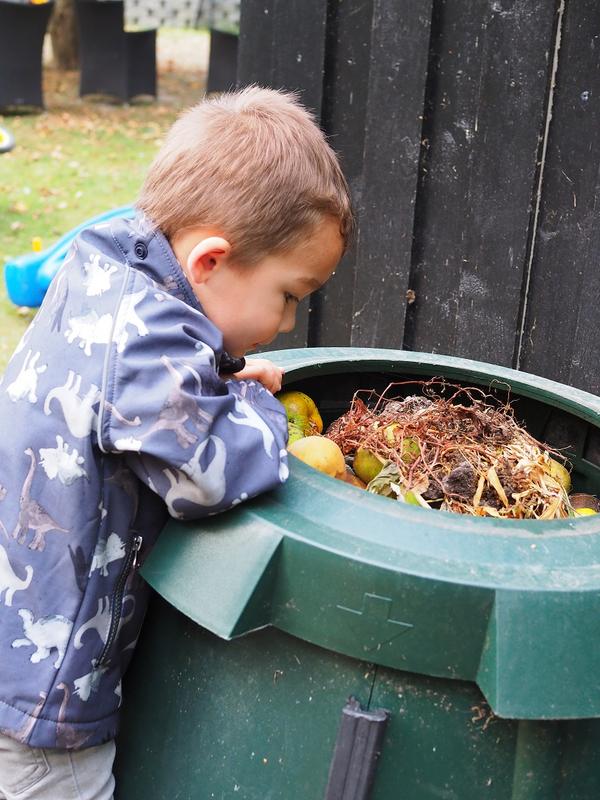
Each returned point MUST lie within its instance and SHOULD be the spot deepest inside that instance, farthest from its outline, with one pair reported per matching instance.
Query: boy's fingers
(269, 374)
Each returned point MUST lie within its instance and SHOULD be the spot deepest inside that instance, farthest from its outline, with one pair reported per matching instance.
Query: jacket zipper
(117, 599)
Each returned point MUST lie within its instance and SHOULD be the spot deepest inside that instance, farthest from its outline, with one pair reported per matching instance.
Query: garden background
(81, 157)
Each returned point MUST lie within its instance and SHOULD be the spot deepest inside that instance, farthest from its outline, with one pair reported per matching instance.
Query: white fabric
(220, 14)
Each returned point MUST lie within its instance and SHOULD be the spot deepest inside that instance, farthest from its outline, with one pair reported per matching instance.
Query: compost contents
(445, 447)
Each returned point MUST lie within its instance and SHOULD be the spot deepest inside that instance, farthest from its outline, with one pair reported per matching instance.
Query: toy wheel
(7, 140)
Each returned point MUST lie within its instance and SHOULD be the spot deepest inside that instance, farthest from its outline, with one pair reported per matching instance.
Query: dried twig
(462, 452)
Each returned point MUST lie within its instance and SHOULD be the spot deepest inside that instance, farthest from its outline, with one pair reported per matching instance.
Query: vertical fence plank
(399, 52)
(299, 56)
(256, 44)
(484, 115)
(365, 304)
(561, 338)
(348, 49)
(282, 45)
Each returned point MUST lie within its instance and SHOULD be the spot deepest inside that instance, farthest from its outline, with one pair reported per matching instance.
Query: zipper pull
(137, 546)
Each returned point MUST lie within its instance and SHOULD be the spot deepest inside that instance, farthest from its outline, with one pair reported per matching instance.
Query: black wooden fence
(470, 133)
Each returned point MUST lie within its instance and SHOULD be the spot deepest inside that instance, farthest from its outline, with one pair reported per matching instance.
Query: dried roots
(464, 452)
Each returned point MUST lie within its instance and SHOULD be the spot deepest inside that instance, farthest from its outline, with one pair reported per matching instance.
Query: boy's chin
(238, 352)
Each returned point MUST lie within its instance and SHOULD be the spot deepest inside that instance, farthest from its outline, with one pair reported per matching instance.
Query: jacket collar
(146, 249)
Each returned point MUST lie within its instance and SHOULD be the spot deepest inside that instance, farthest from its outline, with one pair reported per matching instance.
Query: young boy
(118, 408)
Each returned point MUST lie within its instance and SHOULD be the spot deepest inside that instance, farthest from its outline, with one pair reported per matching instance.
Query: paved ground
(183, 49)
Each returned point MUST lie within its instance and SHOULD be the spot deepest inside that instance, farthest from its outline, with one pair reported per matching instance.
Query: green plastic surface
(256, 718)
(512, 606)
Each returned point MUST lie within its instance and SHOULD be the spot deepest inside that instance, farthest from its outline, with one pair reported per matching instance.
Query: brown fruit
(352, 479)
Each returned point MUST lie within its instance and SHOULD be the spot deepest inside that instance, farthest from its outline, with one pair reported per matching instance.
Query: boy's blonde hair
(253, 164)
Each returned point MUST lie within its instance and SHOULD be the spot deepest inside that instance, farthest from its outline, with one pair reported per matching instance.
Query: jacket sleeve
(201, 443)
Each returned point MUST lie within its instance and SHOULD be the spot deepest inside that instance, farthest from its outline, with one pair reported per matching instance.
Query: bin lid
(512, 605)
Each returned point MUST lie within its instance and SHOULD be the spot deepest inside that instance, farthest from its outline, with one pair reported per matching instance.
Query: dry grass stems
(462, 452)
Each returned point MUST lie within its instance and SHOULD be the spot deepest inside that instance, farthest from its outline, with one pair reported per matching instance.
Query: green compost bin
(479, 637)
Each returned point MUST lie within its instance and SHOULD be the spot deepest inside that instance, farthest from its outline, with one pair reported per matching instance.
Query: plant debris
(457, 449)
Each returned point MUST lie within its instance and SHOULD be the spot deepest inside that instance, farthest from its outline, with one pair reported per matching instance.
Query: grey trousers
(29, 773)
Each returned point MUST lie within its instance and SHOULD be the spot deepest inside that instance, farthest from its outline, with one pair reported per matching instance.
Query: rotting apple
(561, 474)
(367, 464)
(301, 411)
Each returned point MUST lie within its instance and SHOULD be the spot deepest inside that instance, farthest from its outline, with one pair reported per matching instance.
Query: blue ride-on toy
(28, 277)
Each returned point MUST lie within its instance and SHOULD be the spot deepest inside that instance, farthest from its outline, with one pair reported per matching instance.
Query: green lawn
(75, 160)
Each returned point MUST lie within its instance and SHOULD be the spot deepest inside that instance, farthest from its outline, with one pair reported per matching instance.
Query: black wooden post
(282, 44)
(345, 90)
(396, 86)
(560, 338)
(489, 70)
(378, 137)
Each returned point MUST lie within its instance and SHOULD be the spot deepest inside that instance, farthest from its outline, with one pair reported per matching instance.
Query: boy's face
(252, 304)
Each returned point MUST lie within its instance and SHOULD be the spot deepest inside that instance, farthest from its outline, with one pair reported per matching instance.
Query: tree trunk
(63, 33)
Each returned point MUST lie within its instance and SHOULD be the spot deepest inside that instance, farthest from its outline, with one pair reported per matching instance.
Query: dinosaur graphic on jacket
(32, 515)
(46, 633)
(9, 582)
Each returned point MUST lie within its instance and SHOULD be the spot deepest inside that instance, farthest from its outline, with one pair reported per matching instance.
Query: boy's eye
(290, 298)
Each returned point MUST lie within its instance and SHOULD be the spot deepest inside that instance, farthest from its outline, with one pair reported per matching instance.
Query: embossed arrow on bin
(372, 625)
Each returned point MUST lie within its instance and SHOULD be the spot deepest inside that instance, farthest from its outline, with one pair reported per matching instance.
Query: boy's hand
(264, 371)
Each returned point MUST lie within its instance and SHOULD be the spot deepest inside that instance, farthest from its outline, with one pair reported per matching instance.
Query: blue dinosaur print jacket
(112, 417)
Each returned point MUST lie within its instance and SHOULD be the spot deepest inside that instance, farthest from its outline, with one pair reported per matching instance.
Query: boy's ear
(205, 256)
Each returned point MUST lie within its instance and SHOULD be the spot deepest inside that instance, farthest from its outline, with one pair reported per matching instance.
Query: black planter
(22, 30)
(222, 64)
(114, 62)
